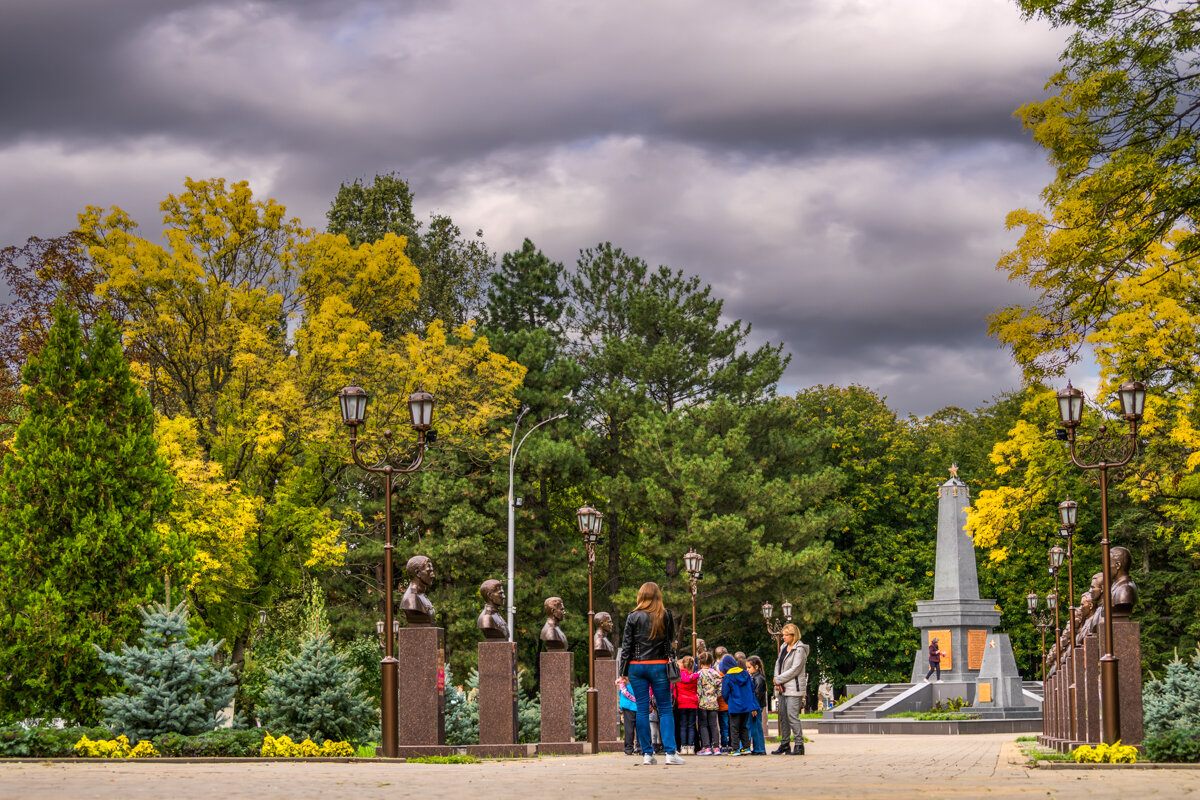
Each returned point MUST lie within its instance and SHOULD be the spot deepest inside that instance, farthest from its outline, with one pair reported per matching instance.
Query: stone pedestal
(558, 712)
(606, 701)
(422, 682)
(497, 692)
(1127, 636)
(1091, 687)
(1080, 732)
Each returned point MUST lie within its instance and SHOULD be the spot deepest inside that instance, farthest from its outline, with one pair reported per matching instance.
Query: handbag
(673, 673)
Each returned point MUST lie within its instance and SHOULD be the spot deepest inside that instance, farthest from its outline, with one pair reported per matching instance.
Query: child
(686, 704)
(655, 735)
(722, 706)
(708, 689)
(628, 705)
(738, 690)
(758, 721)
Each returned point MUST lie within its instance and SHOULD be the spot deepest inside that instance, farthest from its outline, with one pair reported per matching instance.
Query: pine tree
(462, 710)
(79, 550)
(316, 695)
(172, 686)
(1174, 701)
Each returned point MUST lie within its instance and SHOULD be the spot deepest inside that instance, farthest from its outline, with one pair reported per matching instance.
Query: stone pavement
(846, 765)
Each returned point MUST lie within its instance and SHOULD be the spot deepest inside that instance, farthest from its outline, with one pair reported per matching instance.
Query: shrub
(1177, 746)
(113, 748)
(22, 742)
(1174, 701)
(1105, 754)
(315, 695)
(462, 710)
(224, 743)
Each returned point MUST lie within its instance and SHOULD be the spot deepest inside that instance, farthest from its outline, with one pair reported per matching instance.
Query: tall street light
(1068, 514)
(1106, 454)
(353, 400)
(776, 630)
(1041, 620)
(590, 521)
(692, 564)
(513, 448)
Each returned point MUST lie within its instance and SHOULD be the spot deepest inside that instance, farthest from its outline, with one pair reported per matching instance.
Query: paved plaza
(927, 767)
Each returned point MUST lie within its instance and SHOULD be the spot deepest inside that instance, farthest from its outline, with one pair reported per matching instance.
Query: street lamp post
(1070, 408)
(776, 630)
(692, 563)
(1041, 620)
(590, 521)
(513, 448)
(1068, 515)
(353, 401)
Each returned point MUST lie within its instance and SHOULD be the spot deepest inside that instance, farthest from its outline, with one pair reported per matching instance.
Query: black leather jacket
(636, 644)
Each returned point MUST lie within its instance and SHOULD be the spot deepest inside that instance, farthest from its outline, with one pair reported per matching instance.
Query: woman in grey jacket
(791, 684)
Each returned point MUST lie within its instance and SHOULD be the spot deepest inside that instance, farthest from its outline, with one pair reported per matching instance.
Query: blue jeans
(723, 719)
(645, 678)
(758, 744)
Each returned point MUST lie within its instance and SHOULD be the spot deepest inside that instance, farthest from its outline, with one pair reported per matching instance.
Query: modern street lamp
(353, 400)
(590, 521)
(1105, 454)
(692, 564)
(514, 447)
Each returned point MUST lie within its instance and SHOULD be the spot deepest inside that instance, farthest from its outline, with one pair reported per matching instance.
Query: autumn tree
(80, 543)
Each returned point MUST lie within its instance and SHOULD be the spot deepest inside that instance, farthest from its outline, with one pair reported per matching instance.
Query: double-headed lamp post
(1068, 515)
(1107, 455)
(353, 401)
(692, 564)
(590, 521)
(1041, 620)
(1056, 559)
(776, 630)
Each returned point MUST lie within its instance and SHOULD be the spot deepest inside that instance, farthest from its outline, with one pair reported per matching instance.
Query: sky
(838, 170)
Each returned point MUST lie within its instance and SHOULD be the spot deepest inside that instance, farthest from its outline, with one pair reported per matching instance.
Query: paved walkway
(842, 765)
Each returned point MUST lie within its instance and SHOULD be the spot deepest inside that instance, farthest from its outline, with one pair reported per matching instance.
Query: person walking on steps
(791, 684)
(646, 649)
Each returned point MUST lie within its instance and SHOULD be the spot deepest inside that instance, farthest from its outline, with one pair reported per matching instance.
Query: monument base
(422, 686)
(497, 693)
(607, 710)
(1127, 647)
(557, 705)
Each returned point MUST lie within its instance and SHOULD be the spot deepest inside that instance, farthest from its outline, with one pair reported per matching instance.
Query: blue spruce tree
(315, 695)
(171, 683)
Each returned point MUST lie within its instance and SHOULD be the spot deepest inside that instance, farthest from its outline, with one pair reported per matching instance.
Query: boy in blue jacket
(738, 690)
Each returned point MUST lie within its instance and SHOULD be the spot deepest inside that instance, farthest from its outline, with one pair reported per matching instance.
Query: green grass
(445, 760)
(934, 716)
(1026, 738)
(1035, 752)
(366, 750)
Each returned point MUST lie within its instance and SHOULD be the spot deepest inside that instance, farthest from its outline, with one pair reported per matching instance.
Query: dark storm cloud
(838, 171)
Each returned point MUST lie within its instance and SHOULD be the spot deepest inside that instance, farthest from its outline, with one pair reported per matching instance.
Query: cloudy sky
(838, 170)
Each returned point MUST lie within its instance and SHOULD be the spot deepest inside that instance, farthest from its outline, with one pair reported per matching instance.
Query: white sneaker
(648, 759)
(673, 758)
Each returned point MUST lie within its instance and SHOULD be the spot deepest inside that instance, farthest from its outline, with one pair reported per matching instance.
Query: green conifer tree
(79, 550)
(315, 694)
(462, 710)
(172, 686)
(1174, 701)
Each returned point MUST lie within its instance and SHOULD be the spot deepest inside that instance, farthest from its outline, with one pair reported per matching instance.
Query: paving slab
(842, 766)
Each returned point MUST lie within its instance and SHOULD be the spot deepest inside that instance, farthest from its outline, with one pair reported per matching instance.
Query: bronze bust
(1124, 591)
(553, 637)
(418, 611)
(1087, 608)
(601, 646)
(491, 621)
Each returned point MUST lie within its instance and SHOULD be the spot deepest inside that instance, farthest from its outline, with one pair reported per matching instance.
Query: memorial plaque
(944, 644)
(985, 692)
(976, 639)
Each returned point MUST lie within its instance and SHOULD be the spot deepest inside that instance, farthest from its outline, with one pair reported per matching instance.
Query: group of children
(721, 707)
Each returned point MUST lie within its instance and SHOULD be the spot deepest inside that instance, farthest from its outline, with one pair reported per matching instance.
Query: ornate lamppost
(514, 447)
(1041, 620)
(590, 521)
(353, 401)
(1068, 514)
(1106, 454)
(776, 630)
(692, 563)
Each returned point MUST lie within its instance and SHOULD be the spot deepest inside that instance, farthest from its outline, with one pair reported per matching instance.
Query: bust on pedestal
(497, 670)
(421, 651)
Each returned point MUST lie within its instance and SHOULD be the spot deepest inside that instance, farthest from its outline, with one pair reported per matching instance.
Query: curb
(1067, 765)
(202, 760)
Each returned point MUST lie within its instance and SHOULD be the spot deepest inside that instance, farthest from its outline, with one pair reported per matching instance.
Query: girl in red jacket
(687, 702)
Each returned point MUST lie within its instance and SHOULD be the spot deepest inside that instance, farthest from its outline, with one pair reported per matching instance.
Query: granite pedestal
(497, 692)
(1081, 719)
(558, 711)
(606, 703)
(1127, 637)
(1091, 688)
(422, 682)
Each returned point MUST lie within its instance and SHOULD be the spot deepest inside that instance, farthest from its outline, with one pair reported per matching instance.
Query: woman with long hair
(646, 648)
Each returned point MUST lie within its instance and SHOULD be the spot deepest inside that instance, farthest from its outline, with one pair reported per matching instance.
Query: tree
(452, 267)
(80, 544)
(170, 683)
(246, 324)
(315, 695)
